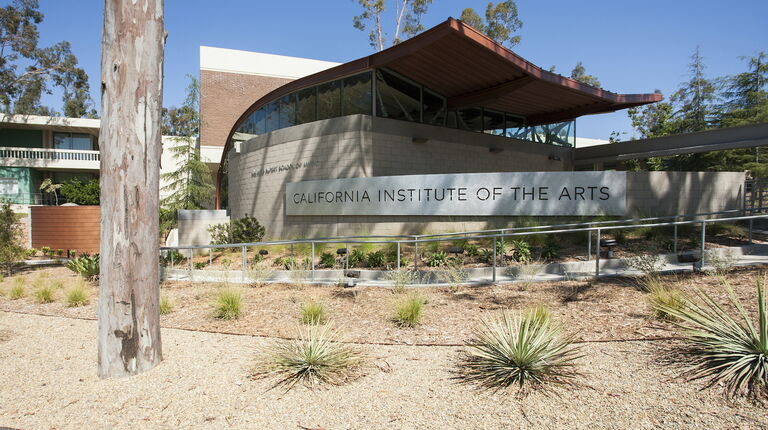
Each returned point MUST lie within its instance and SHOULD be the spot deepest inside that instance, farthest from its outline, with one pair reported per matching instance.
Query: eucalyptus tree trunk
(131, 97)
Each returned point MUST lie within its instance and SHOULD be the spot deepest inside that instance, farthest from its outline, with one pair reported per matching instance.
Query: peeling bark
(129, 285)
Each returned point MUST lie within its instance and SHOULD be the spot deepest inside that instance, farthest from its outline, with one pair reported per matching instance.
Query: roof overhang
(38, 122)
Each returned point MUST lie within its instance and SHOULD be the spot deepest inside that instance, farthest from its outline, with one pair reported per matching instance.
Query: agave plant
(723, 349)
(85, 266)
(313, 358)
(526, 351)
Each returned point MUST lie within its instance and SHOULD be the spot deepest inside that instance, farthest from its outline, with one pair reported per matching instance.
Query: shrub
(10, 238)
(327, 260)
(720, 263)
(356, 257)
(401, 278)
(375, 259)
(59, 252)
(722, 349)
(166, 306)
(314, 357)
(521, 250)
(501, 247)
(551, 249)
(661, 298)
(471, 250)
(199, 265)
(172, 256)
(46, 251)
(85, 266)
(408, 312)
(242, 230)
(81, 193)
(486, 255)
(31, 252)
(229, 305)
(313, 312)
(437, 259)
(526, 351)
(646, 264)
(44, 295)
(77, 296)
(619, 235)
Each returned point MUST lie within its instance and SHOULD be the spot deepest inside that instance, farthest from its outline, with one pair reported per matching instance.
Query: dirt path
(48, 380)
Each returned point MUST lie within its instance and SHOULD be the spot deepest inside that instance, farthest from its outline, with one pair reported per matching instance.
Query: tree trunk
(131, 97)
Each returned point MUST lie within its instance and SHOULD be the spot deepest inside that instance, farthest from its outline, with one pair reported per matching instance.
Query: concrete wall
(671, 193)
(66, 227)
(364, 146)
(193, 225)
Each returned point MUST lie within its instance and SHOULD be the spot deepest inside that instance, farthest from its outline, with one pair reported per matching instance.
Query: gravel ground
(48, 380)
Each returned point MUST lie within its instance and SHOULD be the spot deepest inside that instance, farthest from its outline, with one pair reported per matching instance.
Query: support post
(502, 248)
(493, 276)
(398, 254)
(210, 256)
(674, 243)
(416, 255)
(589, 243)
(703, 243)
(750, 230)
(313, 262)
(346, 255)
(245, 263)
(597, 254)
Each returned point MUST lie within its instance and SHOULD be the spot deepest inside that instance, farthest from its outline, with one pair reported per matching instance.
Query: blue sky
(632, 47)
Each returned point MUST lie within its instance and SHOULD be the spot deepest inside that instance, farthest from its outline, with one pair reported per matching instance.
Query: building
(448, 101)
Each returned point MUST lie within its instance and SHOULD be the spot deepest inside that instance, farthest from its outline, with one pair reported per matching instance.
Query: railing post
(346, 255)
(597, 254)
(589, 243)
(313, 261)
(191, 251)
(245, 263)
(291, 250)
(674, 243)
(502, 248)
(750, 230)
(703, 243)
(210, 256)
(398, 255)
(416, 254)
(493, 276)
(172, 260)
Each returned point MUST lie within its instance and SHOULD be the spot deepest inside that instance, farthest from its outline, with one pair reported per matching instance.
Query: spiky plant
(313, 312)
(313, 357)
(229, 305)
(409, 311)
(526, 351)
(724, 349)
(77, 296)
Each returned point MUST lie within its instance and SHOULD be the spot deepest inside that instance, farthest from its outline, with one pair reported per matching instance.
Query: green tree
(407, 16)
(11, 234)
(28, 71)
(81, 193)
(695, 99)
(500, 24)
(579, 73)
(745, 94)
(47, 186)
(190, 185)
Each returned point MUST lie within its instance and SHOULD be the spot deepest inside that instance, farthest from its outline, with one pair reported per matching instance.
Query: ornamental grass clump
(77, 296)
(409, 311)
(229, 305)
(524, 351)
(661, 297)
(314, 357)
(726, 350)
(17, 291)
(313, 312)
(44, 295)
(166, 306)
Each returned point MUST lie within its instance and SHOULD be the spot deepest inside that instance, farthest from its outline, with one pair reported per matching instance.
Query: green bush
(313, 357)
(242, 230)
(46, 251)
(724, 350)
(85, 266)
(486, 255)
(471, 250)
(551, 249)
(521, 250)
(77, 296)
(229, 305)
(375, 259)
(82, 193)
(313, 312)
(327, 260)
(409, 311)
(526, 351)
(437, 259)
(10, 238)
(356, 257)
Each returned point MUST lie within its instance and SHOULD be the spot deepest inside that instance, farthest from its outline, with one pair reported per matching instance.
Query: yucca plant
(722, 349)
(525, 351)
(229, 305)
(408, 312)
(313, 312)
(313, 357)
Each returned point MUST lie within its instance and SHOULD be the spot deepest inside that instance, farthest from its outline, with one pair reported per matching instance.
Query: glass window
(306, 105)
(493, 122)
(397, 98)
(356, 95)
(329, 100)
(287, 111)
(73, 141)
(450, 120)
(470, 119)
(272, 120)
(434, 108)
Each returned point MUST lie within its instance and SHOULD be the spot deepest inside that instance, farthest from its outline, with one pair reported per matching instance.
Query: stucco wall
(193, 225)
(362, 146)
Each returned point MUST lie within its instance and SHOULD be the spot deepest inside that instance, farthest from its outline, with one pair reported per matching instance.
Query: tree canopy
(579, 73)
(500, 24)
(407, 14)
(28, 71)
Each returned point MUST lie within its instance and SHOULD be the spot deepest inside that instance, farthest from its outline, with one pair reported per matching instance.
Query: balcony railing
(46, 154)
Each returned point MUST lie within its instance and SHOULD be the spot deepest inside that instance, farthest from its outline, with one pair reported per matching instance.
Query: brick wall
(224, 97)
